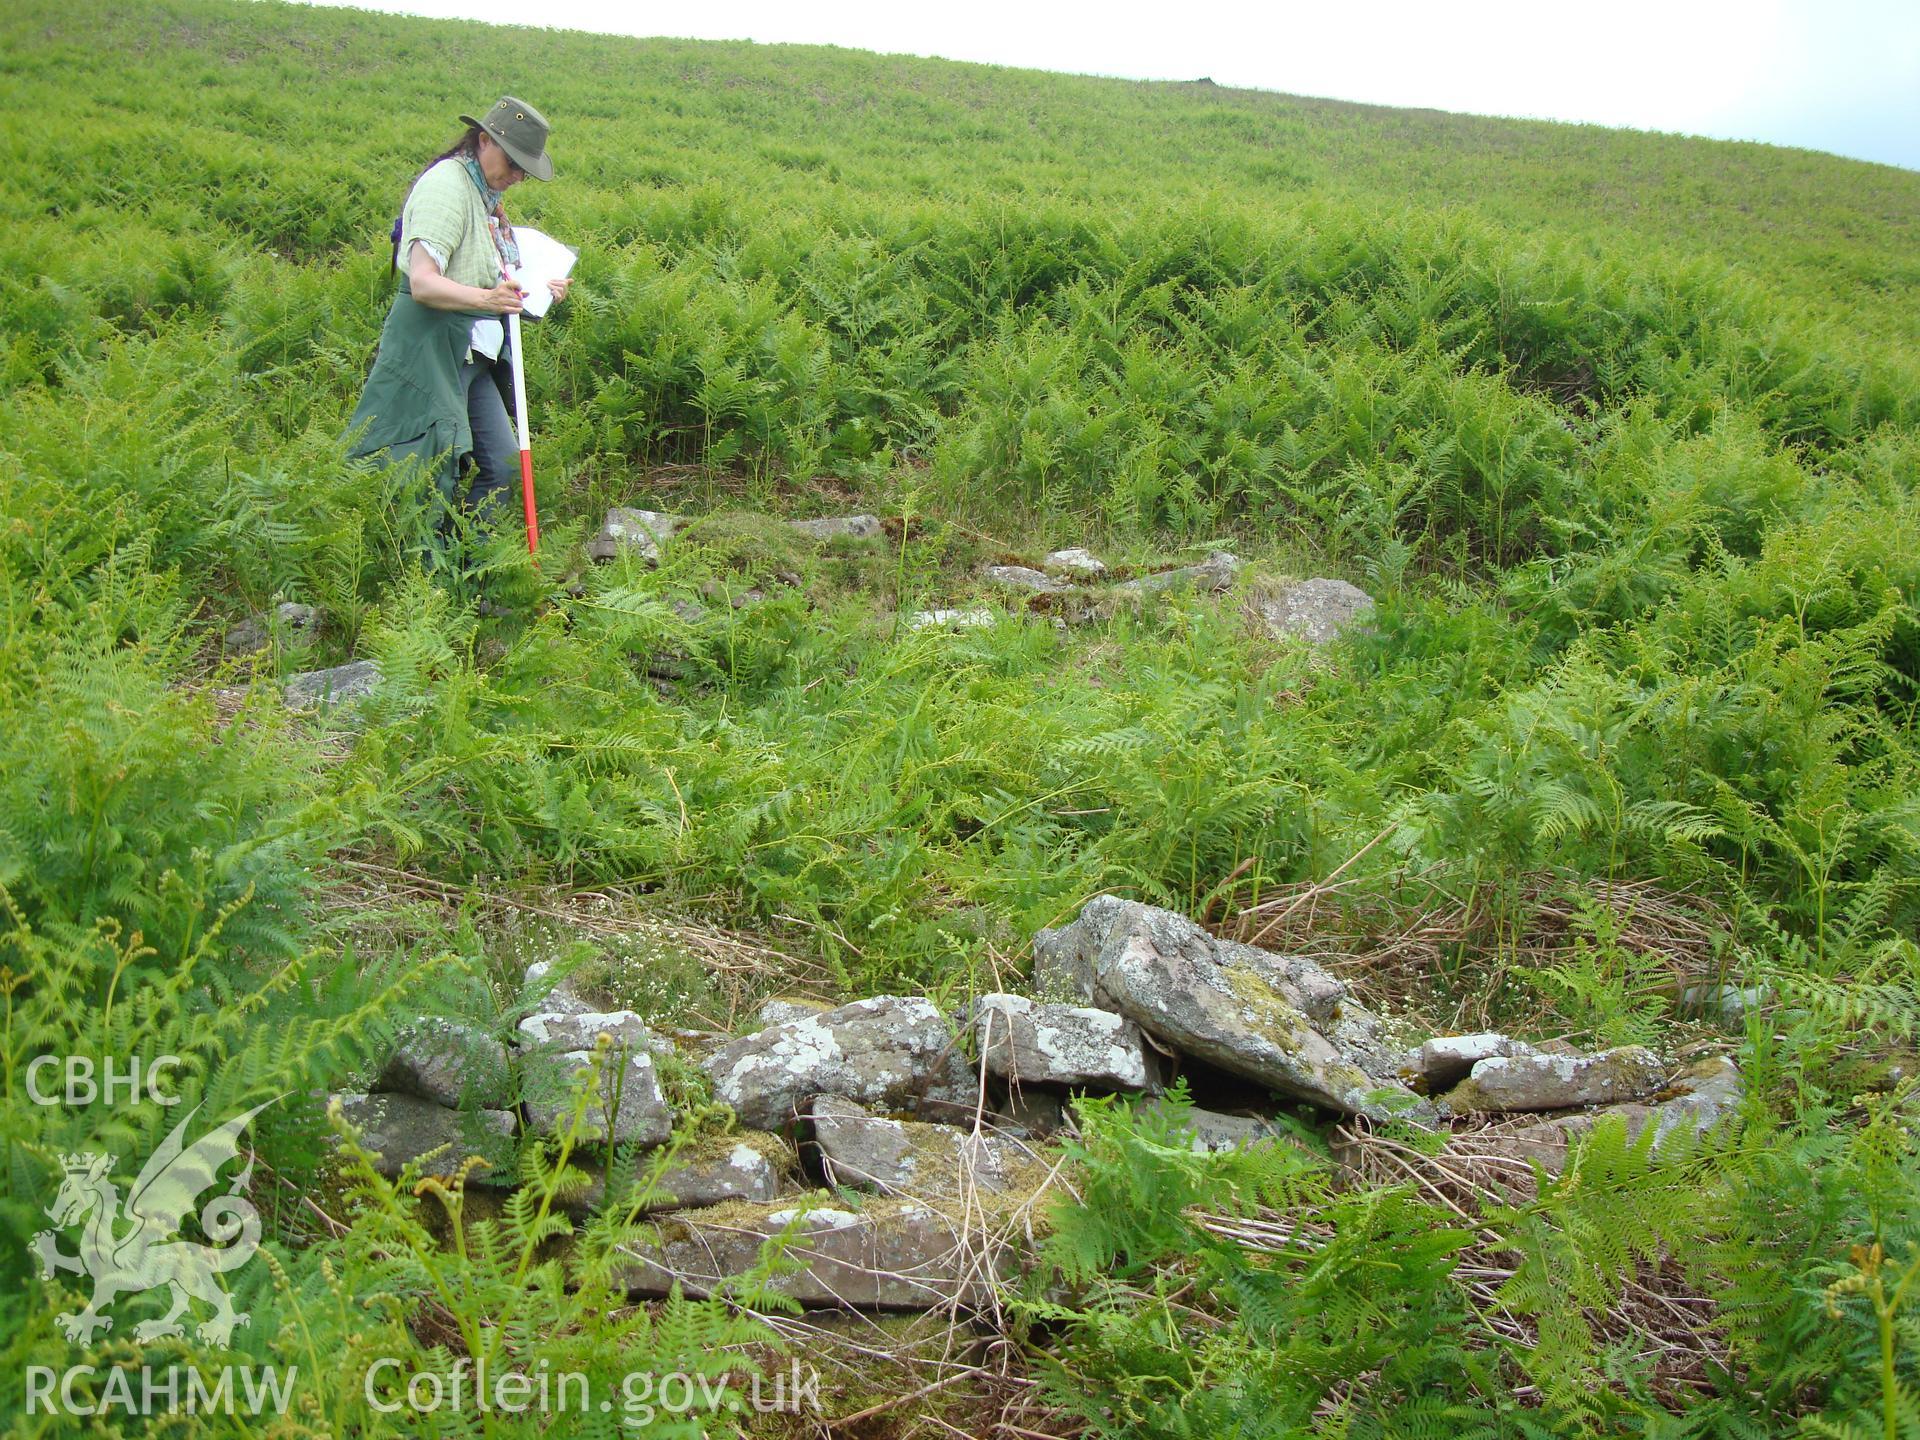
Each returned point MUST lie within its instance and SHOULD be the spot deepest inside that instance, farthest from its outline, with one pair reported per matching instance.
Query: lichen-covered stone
(778, 1009)
(1281, 1021)
(711, 1172)
(1216, 572)
(891, 1050)
(1317, 611)
(890, 1254)
(1208, 1131)
(630, 1108)
(833, 527)
(975, 619)
(399, 1128)
(1075, 561)
(343, 685)
(1444, 1061)
(864, 1151)
(555, 996)
(1019, 577)
(1046, 1044)
(636, 532)
(447, 1062)
(1557, 1082)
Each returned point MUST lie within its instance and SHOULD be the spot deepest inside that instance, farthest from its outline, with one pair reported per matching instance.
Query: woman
(440, 382)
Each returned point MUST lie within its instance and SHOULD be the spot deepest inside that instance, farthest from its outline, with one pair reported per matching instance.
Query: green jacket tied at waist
(415, 403)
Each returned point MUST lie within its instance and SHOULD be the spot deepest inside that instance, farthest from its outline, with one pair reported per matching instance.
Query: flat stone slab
(1019, 577)
(1535, 1081)
(1444, 1061)
(951, 619)
(631, 1108)
(1317, 611)
(890, 1254)
(833, 527)
(1280, 1021)
(1216, 572)
(341, 685)
(1700, 1100)
(1075, 561)
(1034, 1042)
(448, 1063)
(893, 1051)
(402, 1128)
(864, 1151)
(637, 532)
(710, 1173)
(1211, 1131)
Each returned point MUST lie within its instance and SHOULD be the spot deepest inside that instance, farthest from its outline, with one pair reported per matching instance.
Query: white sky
(1838, 75)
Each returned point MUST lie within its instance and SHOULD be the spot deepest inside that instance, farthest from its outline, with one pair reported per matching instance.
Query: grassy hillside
(1621, 431)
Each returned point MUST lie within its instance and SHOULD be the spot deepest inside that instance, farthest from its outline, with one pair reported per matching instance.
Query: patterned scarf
(503, 239)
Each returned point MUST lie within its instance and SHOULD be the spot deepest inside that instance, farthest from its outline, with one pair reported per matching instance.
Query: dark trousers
(494, 463)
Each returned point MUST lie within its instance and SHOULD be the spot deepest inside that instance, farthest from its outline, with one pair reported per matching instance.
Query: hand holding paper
(542, 258)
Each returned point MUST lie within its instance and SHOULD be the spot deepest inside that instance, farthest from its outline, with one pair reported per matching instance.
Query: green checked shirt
(445, 213)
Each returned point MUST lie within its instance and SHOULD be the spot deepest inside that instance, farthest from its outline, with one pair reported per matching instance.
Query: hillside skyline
(1844, 80)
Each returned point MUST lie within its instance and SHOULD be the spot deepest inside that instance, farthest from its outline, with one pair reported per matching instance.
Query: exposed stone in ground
(831, 527)
(1047, 1044)
(1727, 1003)
(1317, 611)
(342, 685)
(951, 619)
(1075, 561)
(1534, 1081)
(1019, 577)
(447, 1062)
(405, 1127)
(893, 1051)
(256, 632)
(891, 1254)
(1216, 572)
(1281, 1021)
(638, 532)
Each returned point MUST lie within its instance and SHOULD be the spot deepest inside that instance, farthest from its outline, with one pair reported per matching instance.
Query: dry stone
(342, 685)
(1444, 1061)
(1278, 1020)
(894, 1051)
(1077, 562)
(637, 532)
(631, 1107)
(833, 527)
(447, 1062)
(1216, 572)
(728, 1168)
(402, 1128)
(890, 1254)
(1536, 1081)
(1317, 611)
(1209, 1131)
(1019, 577)
(255, 633)
(1045, 1044)
(975, 619)
(864, 1151)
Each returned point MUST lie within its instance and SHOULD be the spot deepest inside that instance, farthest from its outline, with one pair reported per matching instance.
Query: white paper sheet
(542, 258)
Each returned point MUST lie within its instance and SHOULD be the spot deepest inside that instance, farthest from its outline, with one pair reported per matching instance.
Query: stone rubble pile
(903, 1151)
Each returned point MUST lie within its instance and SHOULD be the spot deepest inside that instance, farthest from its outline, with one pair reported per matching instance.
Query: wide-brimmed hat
(521, 131)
